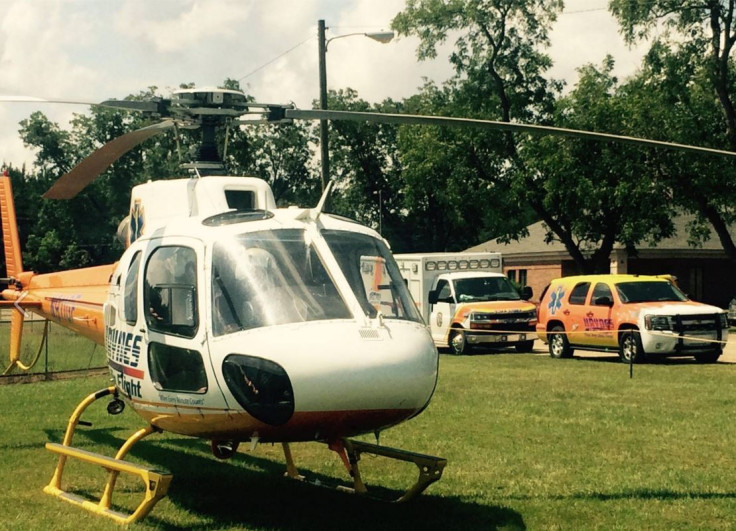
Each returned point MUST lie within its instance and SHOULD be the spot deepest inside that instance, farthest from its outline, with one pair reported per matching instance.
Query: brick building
(704, 273)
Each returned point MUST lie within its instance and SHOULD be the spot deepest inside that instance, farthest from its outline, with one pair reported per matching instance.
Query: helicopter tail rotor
(14, 268)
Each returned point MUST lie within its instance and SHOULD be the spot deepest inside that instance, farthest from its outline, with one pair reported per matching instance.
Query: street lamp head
(381, 36)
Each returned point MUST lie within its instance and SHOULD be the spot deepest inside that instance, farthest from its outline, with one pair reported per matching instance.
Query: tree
(365, 169)
(690, 63)
(451, 191)
(279, 154)
(589, 195)
(596, 193)
(499, 69)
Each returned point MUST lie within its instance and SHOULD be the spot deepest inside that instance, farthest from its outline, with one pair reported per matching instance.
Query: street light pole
(382, 37)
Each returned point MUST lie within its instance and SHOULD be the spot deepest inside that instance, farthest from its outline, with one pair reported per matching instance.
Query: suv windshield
(269, 278)
(485, 289)
(649, 291)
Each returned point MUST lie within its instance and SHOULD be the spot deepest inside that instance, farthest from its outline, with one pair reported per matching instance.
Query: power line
(264, 65)
(578, 11)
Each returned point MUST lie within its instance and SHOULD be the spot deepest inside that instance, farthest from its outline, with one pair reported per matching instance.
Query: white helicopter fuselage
(264, 324)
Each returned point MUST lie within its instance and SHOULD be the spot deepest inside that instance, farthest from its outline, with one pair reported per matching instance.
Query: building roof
(534, 246)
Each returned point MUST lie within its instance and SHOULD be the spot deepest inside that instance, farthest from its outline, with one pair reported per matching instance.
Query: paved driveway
(729, 353)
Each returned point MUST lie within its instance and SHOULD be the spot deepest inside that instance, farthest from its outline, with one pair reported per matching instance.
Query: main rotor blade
(70, 184)
(156, 105)
(32, 99)
(301, 114)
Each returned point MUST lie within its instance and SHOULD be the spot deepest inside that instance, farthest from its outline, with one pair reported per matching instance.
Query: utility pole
(324, 149)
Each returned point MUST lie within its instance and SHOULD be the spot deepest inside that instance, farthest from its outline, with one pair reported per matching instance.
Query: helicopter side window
(170, 291)
(176, 369)
(130, 302)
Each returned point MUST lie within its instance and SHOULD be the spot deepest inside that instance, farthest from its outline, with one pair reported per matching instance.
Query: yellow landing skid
(155, 483)
(430, 467)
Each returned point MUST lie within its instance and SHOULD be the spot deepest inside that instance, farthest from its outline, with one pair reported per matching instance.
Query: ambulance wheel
(559, 346)
(630, 349)
(458, 343)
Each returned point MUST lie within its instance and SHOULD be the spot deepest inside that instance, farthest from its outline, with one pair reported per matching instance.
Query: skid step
(156, 483)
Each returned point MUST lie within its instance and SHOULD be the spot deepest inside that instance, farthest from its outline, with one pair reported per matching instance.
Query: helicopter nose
(384, 368)
(335, 377)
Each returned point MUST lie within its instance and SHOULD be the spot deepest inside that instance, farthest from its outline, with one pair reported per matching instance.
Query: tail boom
(73, 299)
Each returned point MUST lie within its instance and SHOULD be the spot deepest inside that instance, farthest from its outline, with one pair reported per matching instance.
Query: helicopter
(231, 320)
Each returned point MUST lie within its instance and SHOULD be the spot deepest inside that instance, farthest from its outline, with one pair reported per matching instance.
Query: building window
(519, 276)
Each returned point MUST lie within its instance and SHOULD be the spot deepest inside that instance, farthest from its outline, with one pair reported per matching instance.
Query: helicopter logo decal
(137, 221)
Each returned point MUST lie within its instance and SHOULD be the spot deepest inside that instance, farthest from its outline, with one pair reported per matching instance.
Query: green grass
(66, 349)
(531, 442)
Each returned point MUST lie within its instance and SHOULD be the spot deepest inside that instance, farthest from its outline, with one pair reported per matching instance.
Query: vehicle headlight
(724, 320)
(657, 322)
(479, 321)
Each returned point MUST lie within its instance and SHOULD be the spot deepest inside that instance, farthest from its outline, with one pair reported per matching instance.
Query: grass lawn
(531, 443)
(64, 350)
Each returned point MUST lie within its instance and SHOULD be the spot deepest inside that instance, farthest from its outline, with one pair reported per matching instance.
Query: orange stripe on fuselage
(238, 425)
(73, 299)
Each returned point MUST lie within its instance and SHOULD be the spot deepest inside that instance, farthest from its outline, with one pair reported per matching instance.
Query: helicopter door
(175, 343)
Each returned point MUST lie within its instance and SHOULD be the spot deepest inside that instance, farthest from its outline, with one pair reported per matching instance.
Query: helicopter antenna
(323, 199)
(313, 213)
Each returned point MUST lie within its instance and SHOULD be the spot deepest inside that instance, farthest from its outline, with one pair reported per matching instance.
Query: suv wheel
(708, 357)
(524, 346)
(630, 349)
(559, 346)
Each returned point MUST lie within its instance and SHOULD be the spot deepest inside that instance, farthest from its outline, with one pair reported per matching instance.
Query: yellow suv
(638, 316)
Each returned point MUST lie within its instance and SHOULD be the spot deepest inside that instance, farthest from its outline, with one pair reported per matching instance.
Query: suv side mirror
(604, 301)
(527, 293)
(433, 297)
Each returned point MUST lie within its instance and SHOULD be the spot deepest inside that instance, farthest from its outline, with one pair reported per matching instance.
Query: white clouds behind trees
(92, 50)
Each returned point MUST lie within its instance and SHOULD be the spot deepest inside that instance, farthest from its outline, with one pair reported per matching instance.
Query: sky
(93, 50)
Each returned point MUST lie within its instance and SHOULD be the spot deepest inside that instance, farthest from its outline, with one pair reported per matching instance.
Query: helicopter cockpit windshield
(276, 277)
(268, 278)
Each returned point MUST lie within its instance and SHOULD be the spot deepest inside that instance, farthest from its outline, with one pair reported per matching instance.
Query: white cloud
(177, 26)
(36, 41)
(586, 36)
(91, 50)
